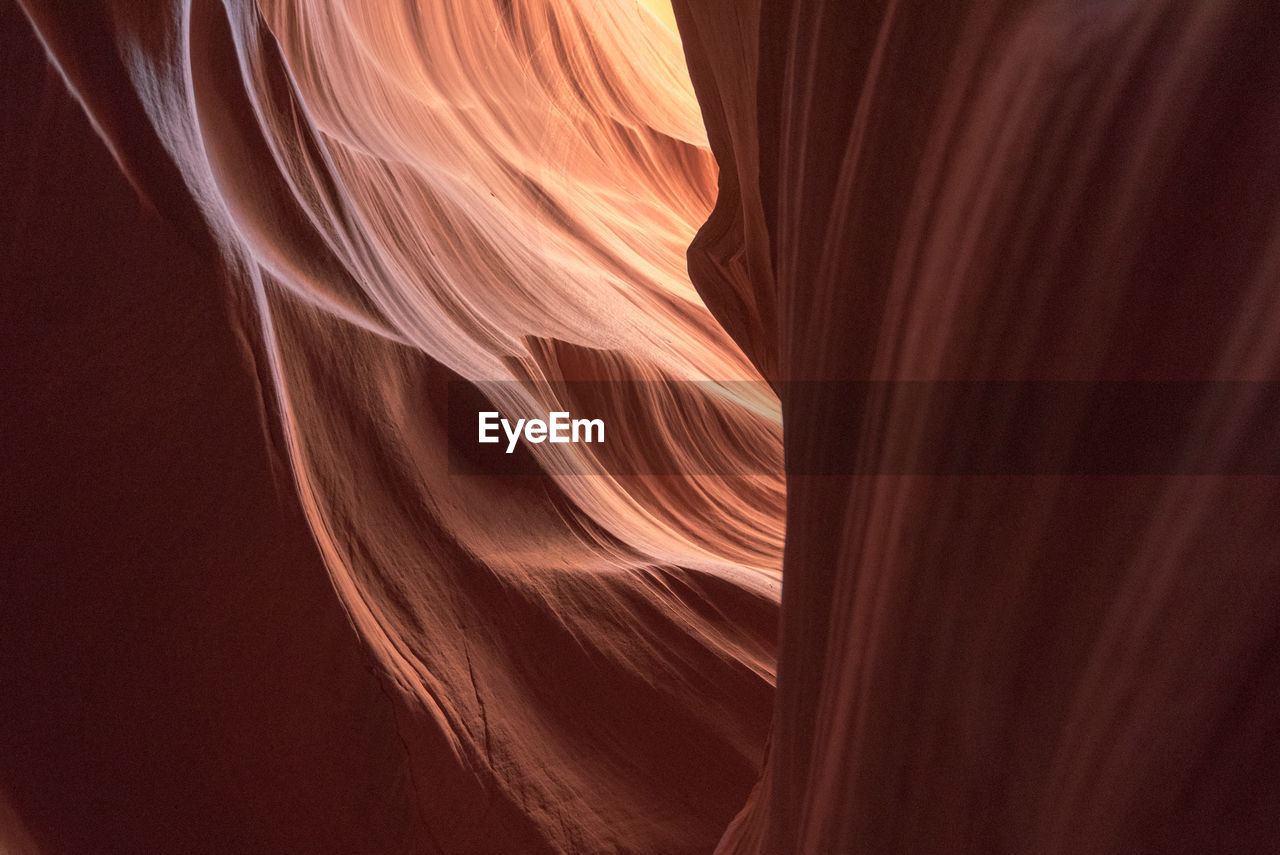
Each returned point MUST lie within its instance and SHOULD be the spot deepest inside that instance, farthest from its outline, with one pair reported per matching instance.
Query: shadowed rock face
(1027, 192)
(177, 674)
(252, 605)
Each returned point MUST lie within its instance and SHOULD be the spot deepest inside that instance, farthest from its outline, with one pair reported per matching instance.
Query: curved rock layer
(404, 198)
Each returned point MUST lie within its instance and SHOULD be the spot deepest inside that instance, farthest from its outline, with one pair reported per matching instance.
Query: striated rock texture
(400, 197)
(1051, 662)
(234, 448)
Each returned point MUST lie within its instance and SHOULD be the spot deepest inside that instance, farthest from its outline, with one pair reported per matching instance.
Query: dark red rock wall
(1060, 662)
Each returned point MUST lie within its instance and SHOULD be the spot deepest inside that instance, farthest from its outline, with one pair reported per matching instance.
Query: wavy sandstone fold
(411, 194)
(540, 203)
